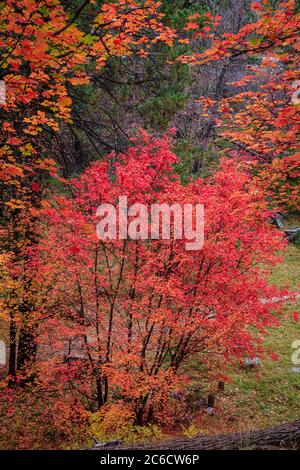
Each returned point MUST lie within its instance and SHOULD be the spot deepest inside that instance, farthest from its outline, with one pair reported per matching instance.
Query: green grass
(271, 394)
(288, 271)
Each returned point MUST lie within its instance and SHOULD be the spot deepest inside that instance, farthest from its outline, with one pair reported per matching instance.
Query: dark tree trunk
(211, 401)
(12, 349)
(27, 346)
(221, 386)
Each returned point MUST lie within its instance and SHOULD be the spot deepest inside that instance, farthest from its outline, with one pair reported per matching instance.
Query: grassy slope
(272, 394)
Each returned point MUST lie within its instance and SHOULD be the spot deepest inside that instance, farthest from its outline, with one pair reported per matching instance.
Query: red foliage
(43, 53)
(138, 311)
(262, 120)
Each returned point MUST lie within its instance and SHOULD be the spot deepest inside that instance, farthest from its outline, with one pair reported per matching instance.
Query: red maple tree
(122, 318)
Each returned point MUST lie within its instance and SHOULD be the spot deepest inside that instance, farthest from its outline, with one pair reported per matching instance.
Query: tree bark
(27, 348)
(12, 349)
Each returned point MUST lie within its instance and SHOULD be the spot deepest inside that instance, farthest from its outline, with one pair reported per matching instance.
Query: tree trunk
(27, 348)
(12, 349)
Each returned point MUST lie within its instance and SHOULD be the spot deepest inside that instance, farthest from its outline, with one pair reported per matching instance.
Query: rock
(251, 363)
(2, 353)
(292, 234)
(101, 445)
(71, 358)
(277, 219)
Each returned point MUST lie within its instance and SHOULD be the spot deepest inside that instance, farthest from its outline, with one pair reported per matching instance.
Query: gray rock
(292, 234)
(277, 220)
(252, 361)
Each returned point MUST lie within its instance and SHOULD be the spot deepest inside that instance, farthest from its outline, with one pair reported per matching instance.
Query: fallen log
(285, 436)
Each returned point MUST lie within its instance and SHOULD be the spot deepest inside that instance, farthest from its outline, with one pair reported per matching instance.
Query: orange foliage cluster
(139, 313)
(263, 119)
(42, 53)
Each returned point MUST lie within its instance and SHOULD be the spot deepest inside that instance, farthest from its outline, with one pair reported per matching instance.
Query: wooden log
(285, 436)
(292, 234)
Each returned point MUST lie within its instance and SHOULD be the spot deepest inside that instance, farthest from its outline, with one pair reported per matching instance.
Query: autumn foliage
(103, 335)
(120, 320)
(43, 54)
(260, 121)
